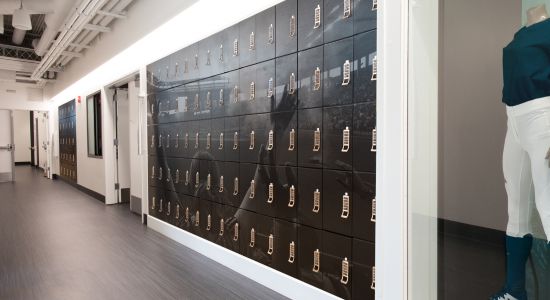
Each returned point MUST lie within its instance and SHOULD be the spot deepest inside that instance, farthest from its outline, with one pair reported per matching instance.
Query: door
(7, 166)
(122, 145)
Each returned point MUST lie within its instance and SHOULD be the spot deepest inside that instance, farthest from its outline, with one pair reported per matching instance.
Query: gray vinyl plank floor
(58, 243)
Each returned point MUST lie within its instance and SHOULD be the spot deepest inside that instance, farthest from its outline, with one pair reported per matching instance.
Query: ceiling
(62, 31)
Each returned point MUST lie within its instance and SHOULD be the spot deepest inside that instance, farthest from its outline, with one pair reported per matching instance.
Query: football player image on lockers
(67, 141)
(262, 139)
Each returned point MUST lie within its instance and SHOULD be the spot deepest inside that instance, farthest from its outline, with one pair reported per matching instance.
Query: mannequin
(536, 14)
(526, 93)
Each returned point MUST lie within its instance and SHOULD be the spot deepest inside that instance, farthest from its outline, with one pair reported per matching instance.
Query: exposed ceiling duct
(7, 7)
(18, 36)
(53, 24)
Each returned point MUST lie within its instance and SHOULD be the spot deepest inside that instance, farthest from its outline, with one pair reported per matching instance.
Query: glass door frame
(392, 277)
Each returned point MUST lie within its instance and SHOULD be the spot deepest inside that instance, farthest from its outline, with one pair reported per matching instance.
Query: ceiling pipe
(18, 36)
(88, 37)
(73, 26)
(53, 22)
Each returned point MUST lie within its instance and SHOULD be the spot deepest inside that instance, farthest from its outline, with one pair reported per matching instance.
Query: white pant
(525, 166)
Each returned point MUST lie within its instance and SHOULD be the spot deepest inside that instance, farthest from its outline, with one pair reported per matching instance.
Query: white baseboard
(279, 282)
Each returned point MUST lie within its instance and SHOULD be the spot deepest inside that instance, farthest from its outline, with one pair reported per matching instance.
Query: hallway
(59, 243)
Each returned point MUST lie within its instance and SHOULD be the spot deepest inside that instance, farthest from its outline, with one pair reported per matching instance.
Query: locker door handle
(252, 91)
(251, 42)
(347, 9)
(316, 201)
(347, 73)
(292, 196)
(316, 261)
(270, 245)
(270, 88)
(292, 32)
(221, 184)
(317, 140)
(374, 76)
(270, 141)
(317, 79)
(291, 252)
(374, 140)
(197, 218)
(345, 206)
(252, 238)
(346, 139)
(317, 17)
(373, 213)
(236, 47)
(345, 271)
(270, 34)
(270, 195)
(236, 232)
(291, 142)
(222, 225)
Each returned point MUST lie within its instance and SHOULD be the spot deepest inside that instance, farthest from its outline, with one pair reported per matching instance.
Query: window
(95, 148)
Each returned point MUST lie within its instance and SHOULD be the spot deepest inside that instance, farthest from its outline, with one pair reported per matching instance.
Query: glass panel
(471, 232)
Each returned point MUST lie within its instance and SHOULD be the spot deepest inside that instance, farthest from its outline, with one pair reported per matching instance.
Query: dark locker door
(311, 24)
(265, 87)
(218, 93)
(265, 35)
(310, 244)
(364, 135)
(285, 139)
(249, 187)
(310, 197)
(247, 38)
(285, 252)
(310, 77)
(338, 18)
(217, 133)
(286, 81)
(337, 264)
(232, 48)
(365, 69)
(338, 74)
(365, 15)
(363, 270)
(231, 93)
(247, 91)
(310, 129)
(232, 138)
(338, 201)
(233, 186)
(286, 33)
(337, 137)
(254, 137)
(364, 205)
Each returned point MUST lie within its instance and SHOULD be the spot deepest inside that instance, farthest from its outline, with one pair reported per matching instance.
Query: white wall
(15, 96)
(472, 117)
(22, 135)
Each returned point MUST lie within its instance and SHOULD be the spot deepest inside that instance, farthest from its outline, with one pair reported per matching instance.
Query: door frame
(391, 261)
(12, 149)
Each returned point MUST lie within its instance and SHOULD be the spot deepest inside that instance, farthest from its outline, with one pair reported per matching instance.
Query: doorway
(122, 143)
(126, 133)
(7, 157)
